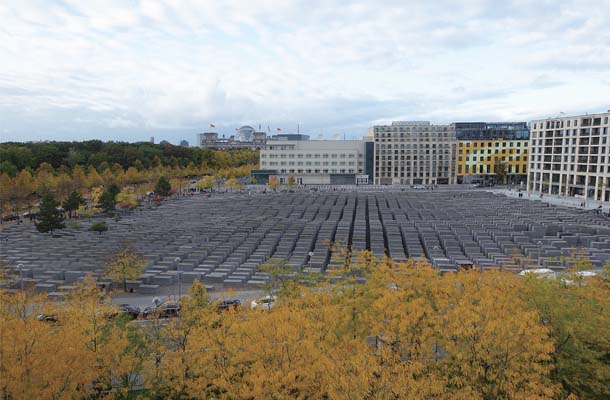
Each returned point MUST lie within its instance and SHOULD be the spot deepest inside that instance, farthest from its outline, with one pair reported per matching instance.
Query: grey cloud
(141, 67)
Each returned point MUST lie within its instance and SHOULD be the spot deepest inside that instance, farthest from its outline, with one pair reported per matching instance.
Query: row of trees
(50, 217)
(24, 190)
(407, 332)
(15, 157)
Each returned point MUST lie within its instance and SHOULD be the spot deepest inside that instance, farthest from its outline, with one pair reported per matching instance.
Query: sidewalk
(556, 200)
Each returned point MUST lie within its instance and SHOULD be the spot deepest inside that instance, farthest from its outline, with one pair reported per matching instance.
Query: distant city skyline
(115, 70)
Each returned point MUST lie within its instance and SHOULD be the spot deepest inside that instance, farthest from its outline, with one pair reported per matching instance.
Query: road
(143, 301)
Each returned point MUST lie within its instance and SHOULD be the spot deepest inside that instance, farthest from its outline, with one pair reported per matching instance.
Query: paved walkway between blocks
(556, 200)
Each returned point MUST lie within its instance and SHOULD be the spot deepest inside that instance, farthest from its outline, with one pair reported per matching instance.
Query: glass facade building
(492, 130)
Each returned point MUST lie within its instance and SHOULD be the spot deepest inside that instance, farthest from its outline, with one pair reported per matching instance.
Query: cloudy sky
(128, 69)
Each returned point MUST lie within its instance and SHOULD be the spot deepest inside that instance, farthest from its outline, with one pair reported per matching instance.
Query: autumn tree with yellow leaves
(274, 183)
(125, 264)
(375, 329)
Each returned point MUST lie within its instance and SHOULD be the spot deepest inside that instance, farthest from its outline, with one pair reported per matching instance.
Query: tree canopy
(163, 187)
(49, 217)
(142, 155)
(406, 332)
(125, 264)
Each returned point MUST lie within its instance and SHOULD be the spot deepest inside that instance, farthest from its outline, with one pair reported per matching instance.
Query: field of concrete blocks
(223, 239)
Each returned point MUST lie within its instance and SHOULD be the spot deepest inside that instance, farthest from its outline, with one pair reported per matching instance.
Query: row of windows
(408, 146)
(282, 147)
(413, 129)
(308, 155)
(559, 136)
(517, 143)
(488, 169)
(408, 153)
(581, 159)
(438, 174)
(496, 151)
(488, 158)
(572, 132)
(308, 163)
(415, 158)
(560, 150)
(572, 167)
(568, 123)
(441, 139)
(319, 171)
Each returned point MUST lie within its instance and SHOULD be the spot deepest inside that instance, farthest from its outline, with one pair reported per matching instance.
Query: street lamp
(20, 269)
(177, 260)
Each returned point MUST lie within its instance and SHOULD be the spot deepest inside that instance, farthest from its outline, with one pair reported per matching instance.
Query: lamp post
(20, 269)
(177, 260)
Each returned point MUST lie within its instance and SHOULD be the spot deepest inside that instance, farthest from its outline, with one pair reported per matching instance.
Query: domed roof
(245, 133)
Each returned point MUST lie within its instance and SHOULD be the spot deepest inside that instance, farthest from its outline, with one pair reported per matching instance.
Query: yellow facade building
(494, 160)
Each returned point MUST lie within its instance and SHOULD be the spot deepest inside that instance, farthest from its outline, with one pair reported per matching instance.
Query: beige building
(316, 162)
(570, 156)
(414, 152)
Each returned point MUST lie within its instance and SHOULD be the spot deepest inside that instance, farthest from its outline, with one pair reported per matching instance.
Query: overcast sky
(128, 70)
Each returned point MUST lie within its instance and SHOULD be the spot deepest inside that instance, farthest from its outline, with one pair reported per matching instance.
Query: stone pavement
(556, 200)
(223, 239)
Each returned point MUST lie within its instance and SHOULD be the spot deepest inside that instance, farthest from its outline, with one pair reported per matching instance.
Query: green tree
(138, 165)
(501, 170)
(107, 201)
(73, 202)
(577, 311)
(163, 187)
(8, 168)
(49, 217)
(99, 227)
(125, 264)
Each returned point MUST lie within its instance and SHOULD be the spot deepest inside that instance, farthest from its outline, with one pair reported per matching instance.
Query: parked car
(225, 305)
(419, 187)
(46, 318)
(163, 310)
(132, 311)
(264, 303)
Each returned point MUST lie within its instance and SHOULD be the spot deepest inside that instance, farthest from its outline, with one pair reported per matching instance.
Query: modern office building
(492, 152)
(570, 156)
(315, 162)
(414, 152)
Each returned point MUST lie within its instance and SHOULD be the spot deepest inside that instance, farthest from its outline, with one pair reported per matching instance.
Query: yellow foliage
(207, 182)
(125, 264)
(406, 332)
(274, 182)
(233, 183)
(127, 198)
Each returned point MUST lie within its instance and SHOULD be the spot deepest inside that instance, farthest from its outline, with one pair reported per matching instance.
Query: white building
(317, 162)
(414, 152)
(570, 156)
